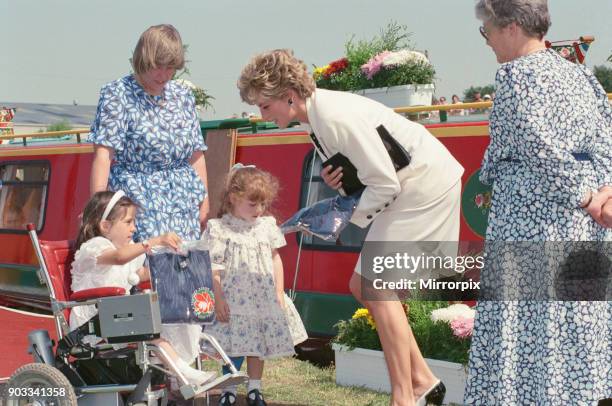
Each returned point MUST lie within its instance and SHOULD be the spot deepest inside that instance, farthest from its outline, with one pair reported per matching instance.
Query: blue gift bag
(183, 281)
(324, 219)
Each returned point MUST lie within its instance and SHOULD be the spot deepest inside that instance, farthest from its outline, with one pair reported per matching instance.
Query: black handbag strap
(398, 154)
(317, 144)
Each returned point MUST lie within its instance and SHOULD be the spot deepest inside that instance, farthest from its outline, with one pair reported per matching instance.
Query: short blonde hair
(249, 183)
(272, 74)
(159, 46)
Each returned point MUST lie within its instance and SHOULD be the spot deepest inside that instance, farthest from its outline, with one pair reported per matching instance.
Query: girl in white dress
(106, 256)
(255, 318)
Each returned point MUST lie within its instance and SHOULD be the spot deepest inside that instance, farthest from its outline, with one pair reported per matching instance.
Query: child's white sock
(233, 389)
(254, 384)
(194, 376)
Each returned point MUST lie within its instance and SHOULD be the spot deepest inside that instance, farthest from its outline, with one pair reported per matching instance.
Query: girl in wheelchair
(107, 256)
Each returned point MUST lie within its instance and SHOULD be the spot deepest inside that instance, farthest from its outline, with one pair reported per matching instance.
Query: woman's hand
(606, 214)
(280, 298)
(170, 240)
(599, 206)
(204, 211)
(222, 310)
(332, 178)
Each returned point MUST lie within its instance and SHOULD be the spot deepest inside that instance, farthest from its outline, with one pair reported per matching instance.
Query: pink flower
(479, 200)
(462, 327)
(375, 63)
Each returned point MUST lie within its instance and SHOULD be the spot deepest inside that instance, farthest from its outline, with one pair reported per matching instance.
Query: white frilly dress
(258, 325)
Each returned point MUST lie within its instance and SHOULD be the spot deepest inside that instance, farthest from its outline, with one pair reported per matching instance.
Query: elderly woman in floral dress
(550, 163)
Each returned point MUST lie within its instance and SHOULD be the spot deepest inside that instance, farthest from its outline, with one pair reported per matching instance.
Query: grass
(289, 381)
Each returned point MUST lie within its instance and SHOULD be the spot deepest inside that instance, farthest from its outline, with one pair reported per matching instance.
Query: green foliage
(604, 75)
(468, 94)
(63, 125)
(357, 333)
(435, 339)
(393, 37)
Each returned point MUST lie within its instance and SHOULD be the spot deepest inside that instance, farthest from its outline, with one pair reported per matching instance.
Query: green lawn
(289, 381)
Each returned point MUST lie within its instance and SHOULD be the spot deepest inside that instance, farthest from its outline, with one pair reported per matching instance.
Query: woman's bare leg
(410, 376)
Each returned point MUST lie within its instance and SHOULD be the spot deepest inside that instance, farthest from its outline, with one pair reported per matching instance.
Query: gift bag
(183, 281)
(324, 219)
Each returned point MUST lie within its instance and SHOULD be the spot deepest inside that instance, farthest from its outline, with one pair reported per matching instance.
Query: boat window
(351, 239)
(23, 194)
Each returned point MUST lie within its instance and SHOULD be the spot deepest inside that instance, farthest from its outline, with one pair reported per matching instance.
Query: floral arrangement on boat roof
(386, 60)
(442, 332)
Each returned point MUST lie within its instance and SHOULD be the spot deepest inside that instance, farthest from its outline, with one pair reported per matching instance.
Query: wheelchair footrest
(189, 391)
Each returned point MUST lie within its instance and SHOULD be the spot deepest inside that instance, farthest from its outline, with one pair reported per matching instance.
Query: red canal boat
(45, 181)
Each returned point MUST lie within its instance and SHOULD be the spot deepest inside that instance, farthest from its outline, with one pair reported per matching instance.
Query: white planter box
(367, 368)
(401, 96)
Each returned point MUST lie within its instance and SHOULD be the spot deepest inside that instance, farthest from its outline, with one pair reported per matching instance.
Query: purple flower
(374, 65)
(462, 327)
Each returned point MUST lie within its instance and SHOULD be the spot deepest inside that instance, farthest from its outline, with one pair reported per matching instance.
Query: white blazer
(346, 123)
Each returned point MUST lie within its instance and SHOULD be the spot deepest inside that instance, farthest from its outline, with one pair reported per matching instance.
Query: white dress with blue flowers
(153, 138)
(258, 325)
(551, 141)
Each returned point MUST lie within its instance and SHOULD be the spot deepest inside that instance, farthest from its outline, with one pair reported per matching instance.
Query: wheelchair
(75, 372)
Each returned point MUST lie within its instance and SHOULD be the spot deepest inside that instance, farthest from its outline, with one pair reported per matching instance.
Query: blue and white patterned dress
(550, 142)
(153, 138)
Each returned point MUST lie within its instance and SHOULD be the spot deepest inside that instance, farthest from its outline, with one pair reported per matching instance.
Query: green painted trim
(321, 311)
(19, 267)
(21, 279)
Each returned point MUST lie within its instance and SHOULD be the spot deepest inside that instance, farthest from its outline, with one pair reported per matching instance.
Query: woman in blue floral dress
(549, 161)
(147, 126)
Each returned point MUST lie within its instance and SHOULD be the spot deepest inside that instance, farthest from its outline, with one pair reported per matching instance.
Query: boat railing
(48, 134)
(256, 122)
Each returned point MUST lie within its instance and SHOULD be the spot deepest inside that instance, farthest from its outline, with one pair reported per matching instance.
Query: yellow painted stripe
(440, 132)
(464, 131)
(30, 151)
(273, 140)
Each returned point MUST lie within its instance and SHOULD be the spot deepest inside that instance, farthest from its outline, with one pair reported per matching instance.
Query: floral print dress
(153, 138)
(550, 142)
(258, 326)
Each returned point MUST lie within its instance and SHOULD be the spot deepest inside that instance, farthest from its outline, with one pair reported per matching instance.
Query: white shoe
(195, 376)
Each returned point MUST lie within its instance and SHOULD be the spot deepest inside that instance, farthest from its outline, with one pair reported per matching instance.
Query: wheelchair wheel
(39, 384)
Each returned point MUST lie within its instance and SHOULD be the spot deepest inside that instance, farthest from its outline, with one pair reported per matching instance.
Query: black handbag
(183, 282)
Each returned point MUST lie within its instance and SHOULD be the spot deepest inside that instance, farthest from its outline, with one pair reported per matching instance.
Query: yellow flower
(320, 71)
(365, 313)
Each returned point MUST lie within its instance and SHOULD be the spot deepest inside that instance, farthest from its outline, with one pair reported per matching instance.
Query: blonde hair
(272, 74)
(249, 183)
(159, 46)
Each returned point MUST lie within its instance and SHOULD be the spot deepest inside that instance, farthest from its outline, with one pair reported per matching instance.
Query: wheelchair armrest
(95, 293)
(144, 285)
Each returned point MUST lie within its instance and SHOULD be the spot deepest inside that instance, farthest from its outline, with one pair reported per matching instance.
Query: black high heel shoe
(434, 396)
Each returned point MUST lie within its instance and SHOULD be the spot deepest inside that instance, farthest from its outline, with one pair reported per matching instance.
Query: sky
(57, 51)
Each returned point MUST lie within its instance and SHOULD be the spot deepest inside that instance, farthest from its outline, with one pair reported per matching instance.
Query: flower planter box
(400, 96)
(367, 368)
